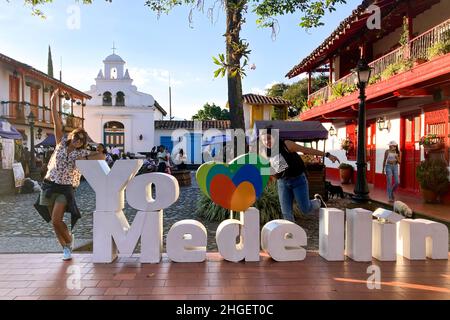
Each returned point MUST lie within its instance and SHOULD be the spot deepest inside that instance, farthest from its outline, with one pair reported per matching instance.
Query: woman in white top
(392, 159)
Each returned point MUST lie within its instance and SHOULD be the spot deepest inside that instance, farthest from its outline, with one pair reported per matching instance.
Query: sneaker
(67, 253)
(322, 203)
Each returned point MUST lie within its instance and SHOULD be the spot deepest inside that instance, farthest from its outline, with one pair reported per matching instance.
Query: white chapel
(118, 114)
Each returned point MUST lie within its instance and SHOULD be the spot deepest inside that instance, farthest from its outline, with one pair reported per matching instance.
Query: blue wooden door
(194, 148)
(167, 142)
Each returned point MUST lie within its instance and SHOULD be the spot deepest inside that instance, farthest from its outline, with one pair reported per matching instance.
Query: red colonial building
(408, 95)
(25, 90)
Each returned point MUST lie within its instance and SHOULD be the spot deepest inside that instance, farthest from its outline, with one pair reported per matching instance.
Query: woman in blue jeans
(391, 161)
(290, 173)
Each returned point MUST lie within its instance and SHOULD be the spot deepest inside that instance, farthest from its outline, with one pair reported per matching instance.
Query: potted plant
(347, 145)
(441, 47)
(345, 172)
(420, 60)
(432, 175)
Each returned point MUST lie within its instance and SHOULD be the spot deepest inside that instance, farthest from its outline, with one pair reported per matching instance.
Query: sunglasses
(78, 138)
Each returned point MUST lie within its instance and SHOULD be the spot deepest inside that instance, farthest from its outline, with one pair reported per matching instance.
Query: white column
(331, 234)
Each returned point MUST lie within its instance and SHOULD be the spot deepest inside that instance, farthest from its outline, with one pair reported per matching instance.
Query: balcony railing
(401, 59)
(19, 111)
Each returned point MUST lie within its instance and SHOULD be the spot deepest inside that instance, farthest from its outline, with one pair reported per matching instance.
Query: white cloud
(144, 77)
(256, 90)
(270, 85)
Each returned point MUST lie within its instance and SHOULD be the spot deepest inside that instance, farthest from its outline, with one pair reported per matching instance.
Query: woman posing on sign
(289, 170)
(62, 178)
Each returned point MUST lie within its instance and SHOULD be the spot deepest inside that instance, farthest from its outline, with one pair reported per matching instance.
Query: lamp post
(31, 119)
(361, 188)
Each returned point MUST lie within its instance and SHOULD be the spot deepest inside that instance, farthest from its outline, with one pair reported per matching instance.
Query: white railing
(417, 48)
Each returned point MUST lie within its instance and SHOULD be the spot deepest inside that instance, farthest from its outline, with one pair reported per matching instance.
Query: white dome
(114, 58)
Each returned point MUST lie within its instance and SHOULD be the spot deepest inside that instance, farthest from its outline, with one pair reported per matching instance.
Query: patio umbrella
(7, 131)
(305, 131)
(51, 142)
(47, 142)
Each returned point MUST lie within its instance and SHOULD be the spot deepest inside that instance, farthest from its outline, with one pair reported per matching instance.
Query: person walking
(25, 160)
(392, 159)
(289, 169)
(57, 195)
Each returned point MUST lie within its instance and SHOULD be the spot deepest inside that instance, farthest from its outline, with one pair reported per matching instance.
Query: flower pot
(345, 175)
(429, 196)
(434, 147)
(419, 61)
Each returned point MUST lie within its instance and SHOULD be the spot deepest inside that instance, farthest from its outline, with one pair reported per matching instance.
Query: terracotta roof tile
(341, 31)
(252, 98)
(189, 124)
(31, 71)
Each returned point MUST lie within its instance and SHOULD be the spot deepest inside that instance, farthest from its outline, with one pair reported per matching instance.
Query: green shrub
(396, 68)
(433, 175)
(268, 205)
(374, 79)
(338, 89)
(438, 49)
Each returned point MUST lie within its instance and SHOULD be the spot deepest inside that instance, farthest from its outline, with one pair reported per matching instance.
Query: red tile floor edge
(46, 276)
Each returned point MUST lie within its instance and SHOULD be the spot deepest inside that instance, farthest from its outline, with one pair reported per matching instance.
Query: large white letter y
(109, 184)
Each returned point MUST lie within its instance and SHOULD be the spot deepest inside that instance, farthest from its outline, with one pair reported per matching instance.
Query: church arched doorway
(114, 135)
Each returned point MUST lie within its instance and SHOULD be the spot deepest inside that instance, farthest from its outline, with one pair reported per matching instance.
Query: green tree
(297, 93)
(50, 63)
(277, 90)
(237, 48)
(211, 112)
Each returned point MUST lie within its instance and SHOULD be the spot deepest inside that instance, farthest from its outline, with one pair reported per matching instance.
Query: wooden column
(330, 77)
(22, 75)
(43, 102)
(362, 49)
(410, 21)
(309, 83)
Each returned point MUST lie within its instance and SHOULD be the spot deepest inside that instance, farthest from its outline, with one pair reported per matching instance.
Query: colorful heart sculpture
(236, 185)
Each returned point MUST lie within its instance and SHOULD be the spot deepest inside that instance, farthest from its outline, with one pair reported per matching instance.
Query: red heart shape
(221, 190)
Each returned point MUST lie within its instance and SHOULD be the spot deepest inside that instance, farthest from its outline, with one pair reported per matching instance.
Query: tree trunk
(234, 22)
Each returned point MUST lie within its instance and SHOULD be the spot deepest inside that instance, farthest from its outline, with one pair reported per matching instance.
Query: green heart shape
(206, 172)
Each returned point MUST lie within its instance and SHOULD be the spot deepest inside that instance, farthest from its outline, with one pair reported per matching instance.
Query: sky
(156, 48)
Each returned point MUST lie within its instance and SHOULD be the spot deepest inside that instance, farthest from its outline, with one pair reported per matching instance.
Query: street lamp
(361, 188)
(31, 118)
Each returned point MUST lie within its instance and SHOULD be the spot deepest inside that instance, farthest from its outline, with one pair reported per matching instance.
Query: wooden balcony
(17, 113)
(400, 60)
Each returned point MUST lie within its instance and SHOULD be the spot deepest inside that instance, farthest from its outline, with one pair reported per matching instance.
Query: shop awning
(7, 131)
(304, 131)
